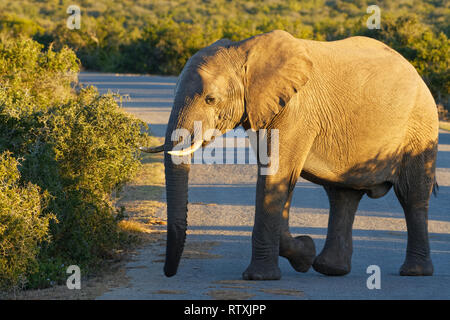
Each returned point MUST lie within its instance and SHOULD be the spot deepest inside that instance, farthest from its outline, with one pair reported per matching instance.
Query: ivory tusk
(152, 149)
(187, 151)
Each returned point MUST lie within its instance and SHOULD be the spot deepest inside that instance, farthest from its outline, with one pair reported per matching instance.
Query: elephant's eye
(210, 100)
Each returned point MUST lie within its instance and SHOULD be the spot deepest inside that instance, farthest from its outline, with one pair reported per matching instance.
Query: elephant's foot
(300, 252)
(262, 271)
(332, 263)
(414, 266)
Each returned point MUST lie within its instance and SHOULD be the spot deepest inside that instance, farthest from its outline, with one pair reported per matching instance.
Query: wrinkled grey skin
(353, 116)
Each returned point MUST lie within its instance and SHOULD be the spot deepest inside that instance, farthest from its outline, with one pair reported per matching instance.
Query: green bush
(427, 51)
(154, 36)
(76, 145)
(23, 226)
(19, 26)
(95, 149)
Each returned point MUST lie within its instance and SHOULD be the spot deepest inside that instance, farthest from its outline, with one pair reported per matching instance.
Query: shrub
(23, 226)
(33, 79)
(76, 145)
(95, 150)
(19, 26)
(155, 36)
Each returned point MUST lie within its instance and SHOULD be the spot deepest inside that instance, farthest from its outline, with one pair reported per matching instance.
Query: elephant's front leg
(271, 196)
(300, 250)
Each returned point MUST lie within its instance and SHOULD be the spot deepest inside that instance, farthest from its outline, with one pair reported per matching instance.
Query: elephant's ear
(277, 67)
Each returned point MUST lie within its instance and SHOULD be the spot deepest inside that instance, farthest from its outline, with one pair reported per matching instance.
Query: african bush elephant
(353, 116)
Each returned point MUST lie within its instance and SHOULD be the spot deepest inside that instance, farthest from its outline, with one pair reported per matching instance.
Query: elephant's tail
(435, 188)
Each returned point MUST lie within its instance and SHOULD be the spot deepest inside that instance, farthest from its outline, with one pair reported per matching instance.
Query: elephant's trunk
(177, 176)
(177, 198)
(176, 189)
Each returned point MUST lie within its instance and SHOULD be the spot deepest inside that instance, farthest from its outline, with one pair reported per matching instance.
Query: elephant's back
(373, 104)
(359, 56)
(385, 82)
(358, 47)
(362, 76)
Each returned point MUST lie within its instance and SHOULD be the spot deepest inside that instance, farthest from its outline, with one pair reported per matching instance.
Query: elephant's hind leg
(413, 191)
(335, 258)
(300, 251)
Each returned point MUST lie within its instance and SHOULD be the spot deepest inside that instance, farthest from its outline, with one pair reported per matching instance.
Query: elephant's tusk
(187, 151)
(152, 149)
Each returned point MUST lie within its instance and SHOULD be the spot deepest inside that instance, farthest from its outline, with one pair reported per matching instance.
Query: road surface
(220, 220)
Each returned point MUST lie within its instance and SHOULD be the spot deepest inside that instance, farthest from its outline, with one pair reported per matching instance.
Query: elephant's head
(226, 85)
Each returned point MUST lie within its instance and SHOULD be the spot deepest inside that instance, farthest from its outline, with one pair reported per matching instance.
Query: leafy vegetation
(154, 36)
(22, 224)
(65, 148)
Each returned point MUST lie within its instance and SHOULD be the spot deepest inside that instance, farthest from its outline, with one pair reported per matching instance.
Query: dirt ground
(112, 275)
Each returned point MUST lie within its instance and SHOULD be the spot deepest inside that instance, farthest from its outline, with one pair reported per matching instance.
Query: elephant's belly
(375, 191)
(361, 175)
